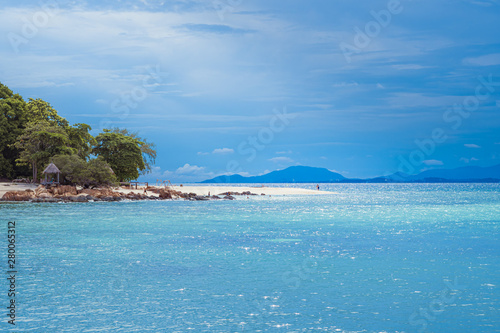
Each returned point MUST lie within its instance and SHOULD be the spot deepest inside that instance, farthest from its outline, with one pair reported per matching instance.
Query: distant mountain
(294, 174)
(304, 174)
(463, 173)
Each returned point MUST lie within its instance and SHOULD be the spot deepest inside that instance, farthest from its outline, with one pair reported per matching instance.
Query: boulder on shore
(18, 195)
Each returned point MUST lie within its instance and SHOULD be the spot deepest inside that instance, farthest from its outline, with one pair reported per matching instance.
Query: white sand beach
(204, 190)
(216, 190)
(201, 190)
(7, 187)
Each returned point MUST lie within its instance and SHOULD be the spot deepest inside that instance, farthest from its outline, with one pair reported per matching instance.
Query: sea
(365, 258)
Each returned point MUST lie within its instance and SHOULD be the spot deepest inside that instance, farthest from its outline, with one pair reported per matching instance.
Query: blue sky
(365, 88)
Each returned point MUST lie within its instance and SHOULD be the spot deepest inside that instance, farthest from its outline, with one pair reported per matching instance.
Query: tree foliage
(77, 171)
(39, 142)
(39, 110)
(12, 122)
(81, 139)
(122, 153)
(147, 148)
(31, 133)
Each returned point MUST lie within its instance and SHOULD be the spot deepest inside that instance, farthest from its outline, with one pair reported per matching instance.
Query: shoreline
(30, 192)
(219, 189)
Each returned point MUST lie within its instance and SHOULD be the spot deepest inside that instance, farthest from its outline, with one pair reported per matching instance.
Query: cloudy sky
(362, 87)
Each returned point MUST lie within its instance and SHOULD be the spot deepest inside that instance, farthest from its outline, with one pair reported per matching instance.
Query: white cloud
(188, 169)
(200, 153)
(345, 84)
(433, 162)
(204, 61)
(408, 99)
(410, 67)
(283, 152)
(471, 145)
(485, 60)
(281, 159)
(468, 160)
(223, 151)
(101, 101)
(264, 172)
(185, 173)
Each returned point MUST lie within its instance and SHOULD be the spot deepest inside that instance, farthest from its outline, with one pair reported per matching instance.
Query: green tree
(122, 153)
(71, 167)
(39, 110)
(147, 149)
(39, 142)
(100, 173)
(81, 139)
(12, 122)
(76, 171)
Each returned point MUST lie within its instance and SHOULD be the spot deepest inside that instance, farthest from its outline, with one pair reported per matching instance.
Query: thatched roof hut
(51, 169)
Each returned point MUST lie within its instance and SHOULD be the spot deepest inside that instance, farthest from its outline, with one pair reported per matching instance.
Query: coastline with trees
(33, 134)
(88, 168)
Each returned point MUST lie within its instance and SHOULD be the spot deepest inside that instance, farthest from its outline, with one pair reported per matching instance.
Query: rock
(229, 197)
(200, 198)
(165, 194)
(262, 194)
(215, 197)
(82, 197)
(40, 189)
(110, 198)
(44, 195)
(18, 196)
(237, 193)
(65, 189)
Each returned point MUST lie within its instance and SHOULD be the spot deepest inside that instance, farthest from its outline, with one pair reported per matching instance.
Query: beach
(7, 187)
(216, 190)
(199, 190)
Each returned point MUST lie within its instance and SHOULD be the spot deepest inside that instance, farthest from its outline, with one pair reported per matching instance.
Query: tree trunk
(35, 172)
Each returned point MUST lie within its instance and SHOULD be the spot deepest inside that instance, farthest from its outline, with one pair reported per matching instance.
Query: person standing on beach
(317, 186)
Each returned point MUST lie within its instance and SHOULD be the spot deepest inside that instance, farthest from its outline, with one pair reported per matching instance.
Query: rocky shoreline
(66, 193)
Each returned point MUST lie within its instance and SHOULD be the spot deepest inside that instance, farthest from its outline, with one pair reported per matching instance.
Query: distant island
(305, 174)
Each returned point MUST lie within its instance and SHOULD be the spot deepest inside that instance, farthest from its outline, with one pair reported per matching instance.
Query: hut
(51, 169)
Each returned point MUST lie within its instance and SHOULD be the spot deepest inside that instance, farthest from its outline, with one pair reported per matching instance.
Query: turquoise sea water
(367, 258)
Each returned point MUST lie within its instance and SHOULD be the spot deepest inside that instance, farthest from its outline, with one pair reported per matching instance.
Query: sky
(361, 87)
